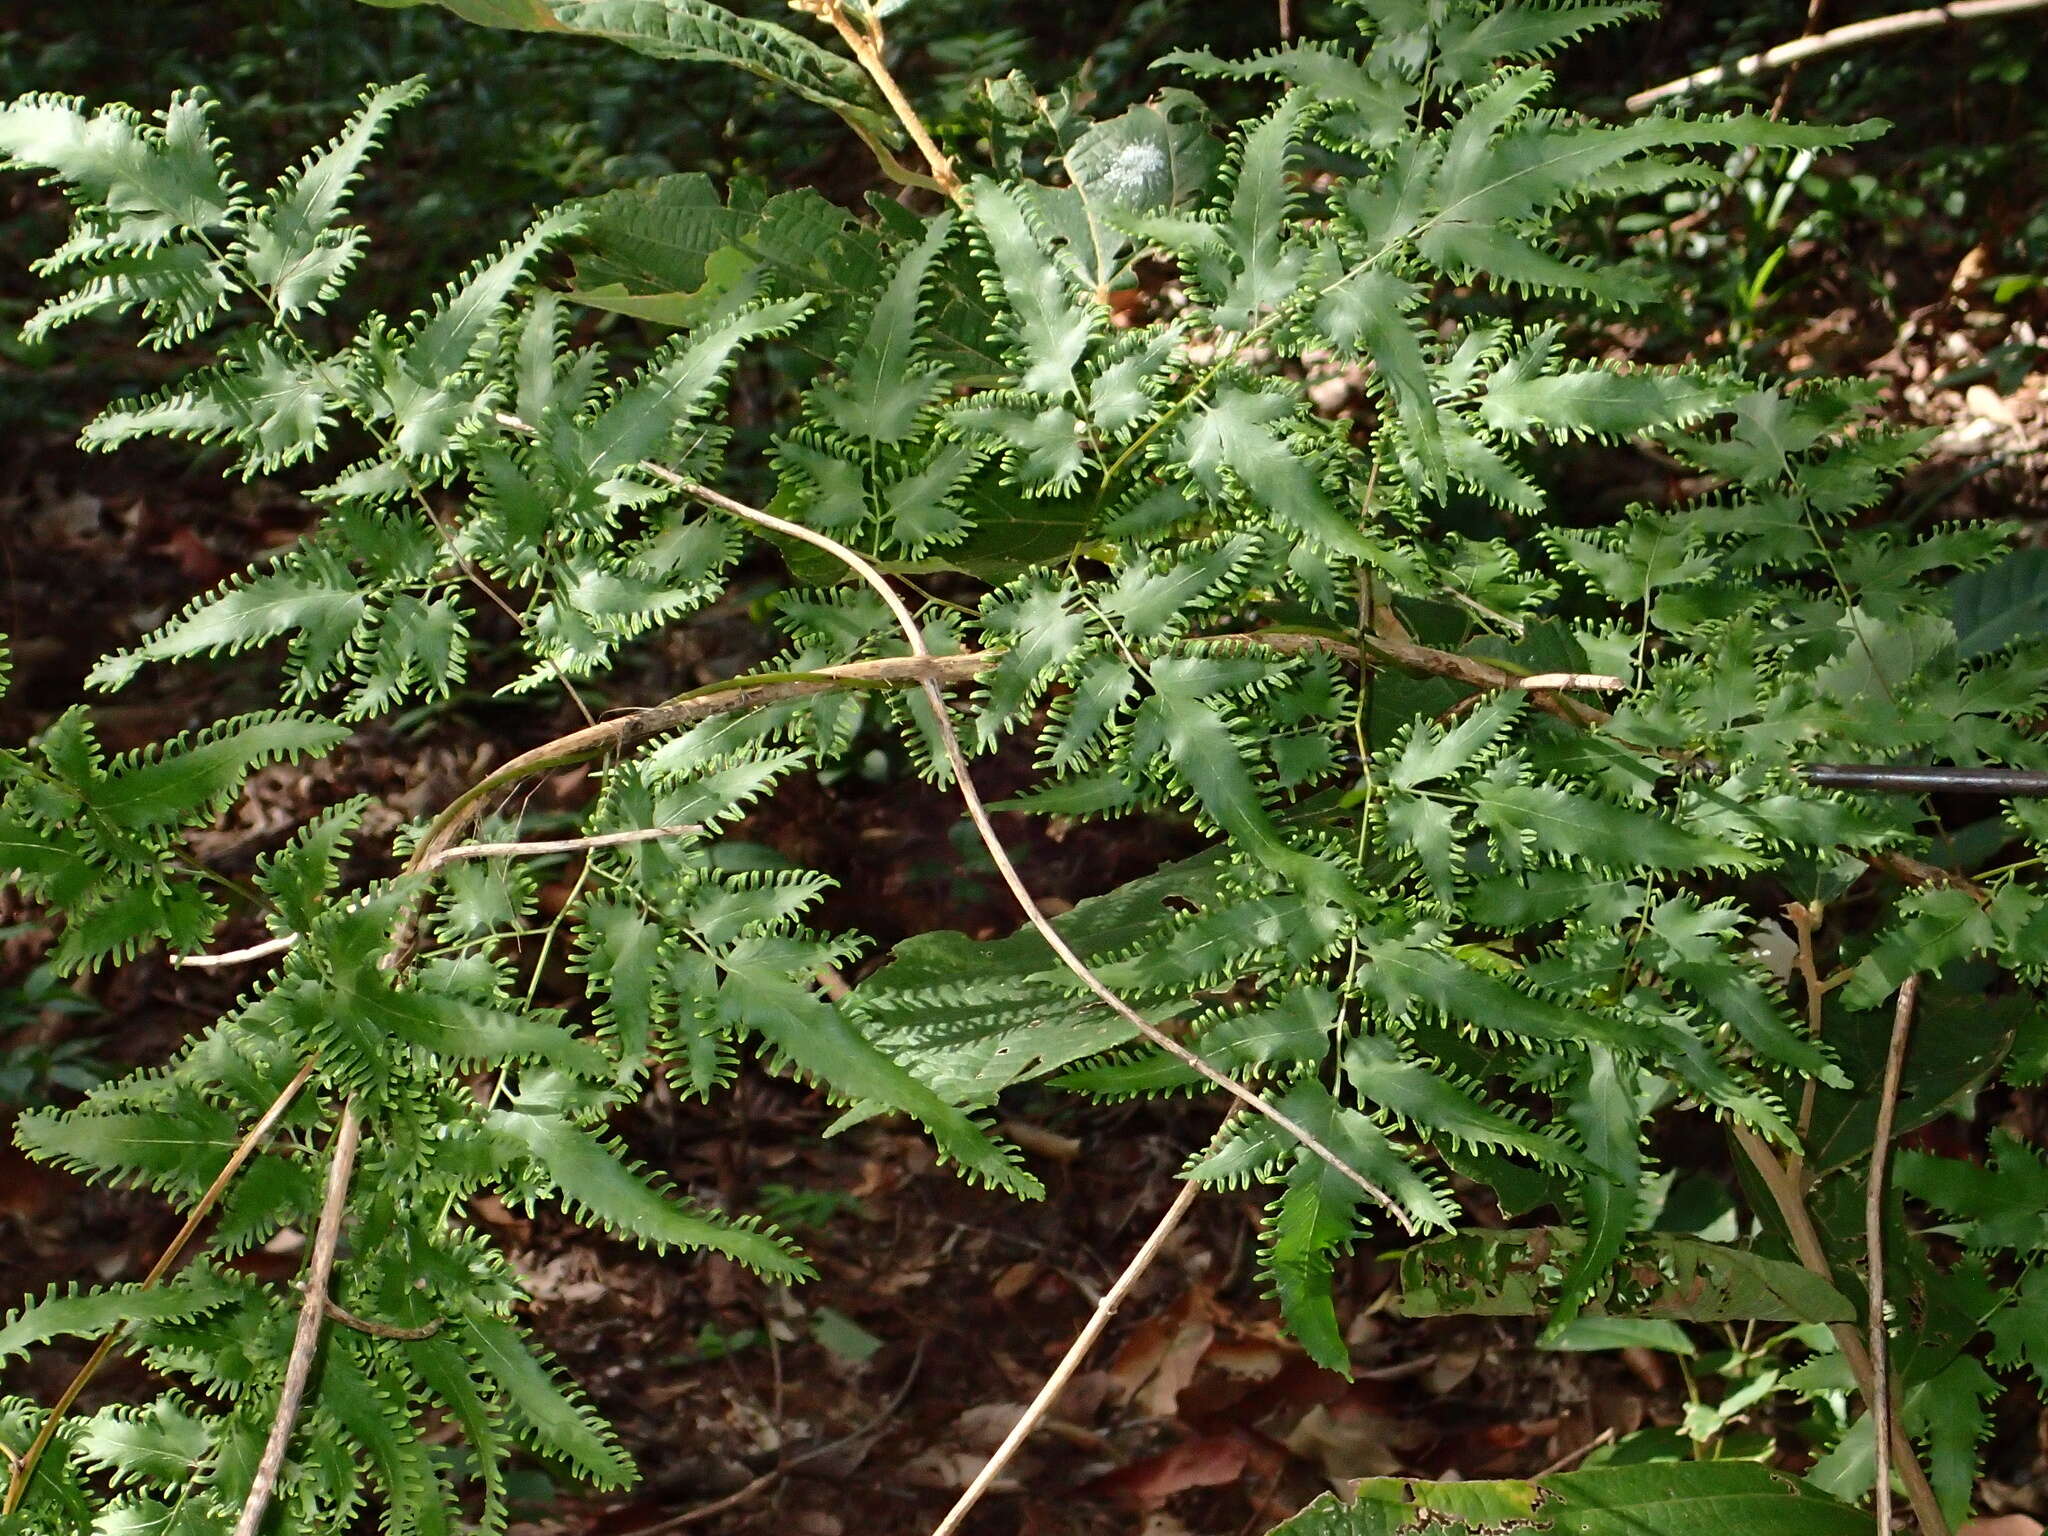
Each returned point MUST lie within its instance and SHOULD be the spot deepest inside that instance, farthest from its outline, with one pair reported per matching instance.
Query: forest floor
(859, 1404)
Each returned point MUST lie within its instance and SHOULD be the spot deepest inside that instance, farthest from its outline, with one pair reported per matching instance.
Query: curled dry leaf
(1347, 1440)
(1162, 1354)
(1207, 1461)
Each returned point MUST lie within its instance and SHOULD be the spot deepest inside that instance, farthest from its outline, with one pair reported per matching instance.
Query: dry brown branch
(517, 850)
(1426, 661)
(24, 1466)
(1790, 1201)
(621, 731)
(312, 1312)
(243, 956)
(285, 941)
(1070, 1362)
(442, 841)
(1590, 682)
(1873, 1245)
(337, 1313)
(1579, 1453)
(1853, 35)
(1805, 920)
(977, 812)
(863, 39)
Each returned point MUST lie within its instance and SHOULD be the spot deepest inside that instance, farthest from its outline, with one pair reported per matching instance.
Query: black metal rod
(2007, 783)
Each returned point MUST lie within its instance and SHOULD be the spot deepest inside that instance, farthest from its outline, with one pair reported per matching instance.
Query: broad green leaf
(699, 31)
(674, 252)
(1152, 158)
(1518, 1274)
(1658, 1499)
(1993, 607)
(1959, 1042)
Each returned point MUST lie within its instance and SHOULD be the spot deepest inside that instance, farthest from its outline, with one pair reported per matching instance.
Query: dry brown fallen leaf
(1207, 1461)
(1161, 1356)
(1346, 1441)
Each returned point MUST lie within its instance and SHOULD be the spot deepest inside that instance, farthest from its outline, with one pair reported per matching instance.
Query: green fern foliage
(1497, 822)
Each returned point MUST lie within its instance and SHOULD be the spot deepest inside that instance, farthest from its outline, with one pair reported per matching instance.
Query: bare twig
(263, 951)
(1427, 661)
(1853, 35)
(613, 735)
(1069, 1362)
(337, 1313)
(1790, 1201)
(1569, 1457)
(887, 672)
(1815, 9)
(1590, 682)
(865, 43)
(24, 1467)
(622, 731)
(285, 941)
(556, 844)
(977, 813)
(312, 1311)
(1873, 1243)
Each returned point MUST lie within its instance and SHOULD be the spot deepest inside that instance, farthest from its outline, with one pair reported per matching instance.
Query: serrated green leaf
(289, 245)
(1433, 1106)
(1240, 438)
(2000, 1205)
(74, 1314)
(806, 1030)
(1052, 325)
(546, 1415)
(603, 1188)
(881, 393)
